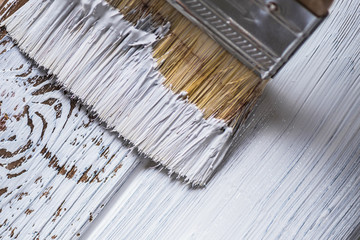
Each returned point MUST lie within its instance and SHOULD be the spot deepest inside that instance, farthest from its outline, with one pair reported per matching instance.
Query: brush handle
(318, 7)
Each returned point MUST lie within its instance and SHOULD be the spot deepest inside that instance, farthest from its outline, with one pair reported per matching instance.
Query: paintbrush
(156, 78)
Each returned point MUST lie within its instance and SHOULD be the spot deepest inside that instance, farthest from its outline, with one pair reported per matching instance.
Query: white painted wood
(294, 173)
(58, 165)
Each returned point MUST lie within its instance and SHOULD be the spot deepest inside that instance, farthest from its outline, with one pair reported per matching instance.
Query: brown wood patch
(54, 155)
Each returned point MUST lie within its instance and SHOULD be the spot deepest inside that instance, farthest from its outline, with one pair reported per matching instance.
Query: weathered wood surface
(58, 165)
(293, 174)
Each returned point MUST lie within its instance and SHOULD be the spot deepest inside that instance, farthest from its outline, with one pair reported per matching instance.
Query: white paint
(65, 137)
(108, 63)
(293, 174)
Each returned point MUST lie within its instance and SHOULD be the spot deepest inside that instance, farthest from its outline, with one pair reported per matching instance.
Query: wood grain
(58, 165)
(294, 172)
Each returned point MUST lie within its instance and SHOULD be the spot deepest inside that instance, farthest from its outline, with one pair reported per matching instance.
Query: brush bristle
(216, 82)
(176, 94)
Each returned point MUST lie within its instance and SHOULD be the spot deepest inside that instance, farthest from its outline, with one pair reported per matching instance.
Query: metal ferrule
(260, 33)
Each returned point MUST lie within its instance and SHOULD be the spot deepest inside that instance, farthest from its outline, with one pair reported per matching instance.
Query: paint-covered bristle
(173, 92)
(192, 62)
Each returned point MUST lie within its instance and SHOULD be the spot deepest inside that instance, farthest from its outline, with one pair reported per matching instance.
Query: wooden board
(294, 173)
(58, 165)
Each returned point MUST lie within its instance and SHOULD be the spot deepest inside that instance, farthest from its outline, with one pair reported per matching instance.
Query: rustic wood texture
(58, 165)
(294, 172)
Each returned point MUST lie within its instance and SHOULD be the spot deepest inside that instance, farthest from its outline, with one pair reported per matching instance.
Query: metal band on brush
(260, 33)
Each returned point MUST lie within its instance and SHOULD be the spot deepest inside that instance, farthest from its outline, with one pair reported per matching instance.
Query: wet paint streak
(294, 173)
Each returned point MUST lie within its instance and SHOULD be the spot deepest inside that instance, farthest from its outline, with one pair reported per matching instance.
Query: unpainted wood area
(58, 165)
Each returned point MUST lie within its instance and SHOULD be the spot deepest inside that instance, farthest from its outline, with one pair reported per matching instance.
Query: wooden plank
(294, 173)
(58, 165)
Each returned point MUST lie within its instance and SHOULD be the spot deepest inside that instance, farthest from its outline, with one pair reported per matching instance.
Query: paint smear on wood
(58, 165)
